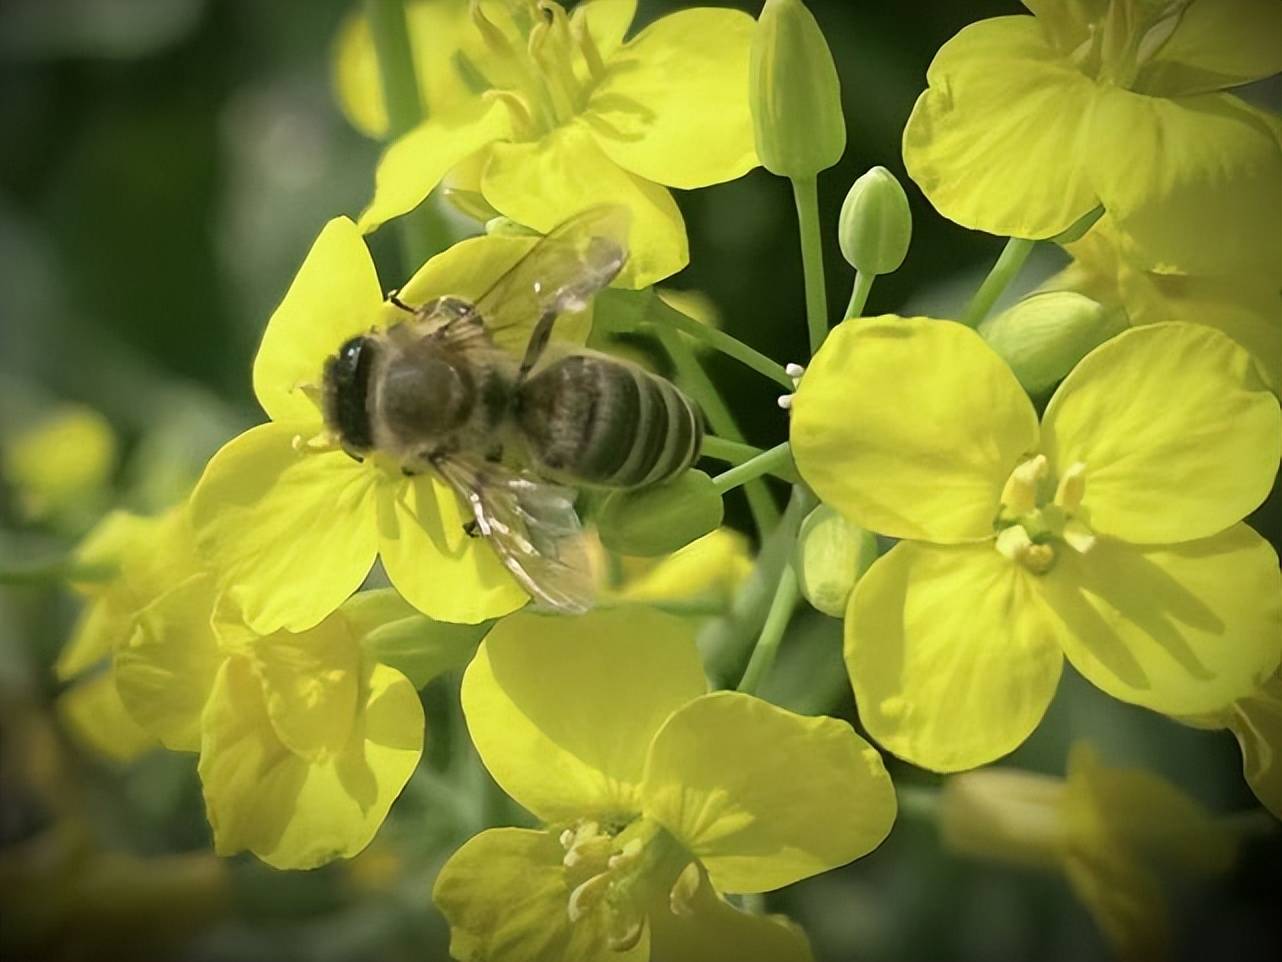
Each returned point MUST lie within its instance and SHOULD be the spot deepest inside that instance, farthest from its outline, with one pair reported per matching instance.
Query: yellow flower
(1109, 534)
(1256, 723)
(293, 531)
(139, 559)
(60, 466)
(1246, 307)
(1116, 834)
(304, 740)
(575, 117)
(436, 27)
(655, 795)
(711, 567)
(1030, 123)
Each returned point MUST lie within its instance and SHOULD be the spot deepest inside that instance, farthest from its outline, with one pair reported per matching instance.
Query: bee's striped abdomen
(600, 421)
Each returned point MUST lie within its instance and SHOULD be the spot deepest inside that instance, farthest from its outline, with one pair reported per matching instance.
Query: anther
(1078, 537)
(1020, 493)
(587, 896)
(684, 889)
(1072, 487)
(785, 401)
(794, 371)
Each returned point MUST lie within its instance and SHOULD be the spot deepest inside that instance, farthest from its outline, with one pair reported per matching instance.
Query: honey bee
(443, 391)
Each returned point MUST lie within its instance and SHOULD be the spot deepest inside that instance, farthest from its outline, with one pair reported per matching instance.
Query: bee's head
(346, 388)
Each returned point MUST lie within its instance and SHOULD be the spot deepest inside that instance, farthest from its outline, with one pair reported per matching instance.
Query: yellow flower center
(1037, 514)
(623, 871)
(1125, 37)
(542, 66)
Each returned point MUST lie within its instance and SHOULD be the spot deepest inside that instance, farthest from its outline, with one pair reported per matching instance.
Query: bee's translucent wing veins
(561, 272)
(532, 525)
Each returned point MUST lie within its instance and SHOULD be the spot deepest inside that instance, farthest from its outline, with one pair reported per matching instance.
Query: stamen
(684, 889)
(519, 107)
(1078, 537)
(1020, 493)
(587, 896)
(1072, 487)
(626, 932)
(785, 401)
(587, 46)
(1015, 544)
(320, 444)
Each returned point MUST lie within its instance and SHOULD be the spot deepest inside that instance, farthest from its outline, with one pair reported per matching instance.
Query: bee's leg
(538, 341)
(393, 298)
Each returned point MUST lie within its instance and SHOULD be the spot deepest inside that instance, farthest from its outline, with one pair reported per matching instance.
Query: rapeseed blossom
(655, 797)
(572, 116)
(1256, 723)
(304, 740)
(290, 522)
(1110, 533)
(1030, 123)
(1116, 834)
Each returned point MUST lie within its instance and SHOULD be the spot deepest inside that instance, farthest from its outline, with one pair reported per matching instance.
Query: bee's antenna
(393, 298)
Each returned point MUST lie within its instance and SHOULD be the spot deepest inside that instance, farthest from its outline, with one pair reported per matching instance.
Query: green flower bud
(876, 224)
(660, 519)
(1044, 336)
(831, 555)
(794, 93)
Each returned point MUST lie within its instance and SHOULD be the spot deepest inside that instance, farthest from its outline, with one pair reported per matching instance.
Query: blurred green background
(164, 166)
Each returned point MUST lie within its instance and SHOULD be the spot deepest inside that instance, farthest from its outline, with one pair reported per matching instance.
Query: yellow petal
(722, 776)
(334, 296)
(1245, 307)
(1179, 436)
(951, 654)
(311, 683)
(562, 710)
(438, 568)
(413, 165)
(542, 183)
(1182, 629)
(673, 104)
(910, 427)
(1151, 816)
(469, 269)
(710, 928)
(289, 812)
(61, 463)
(999, 139)
(1217, 44)
(606, 20)
(505, 896)
(715, 564)
(96, 717)
(1195, 183)
(437, 29)
(291, 535)
(1256, 722)
(102, 626)
(167, 669)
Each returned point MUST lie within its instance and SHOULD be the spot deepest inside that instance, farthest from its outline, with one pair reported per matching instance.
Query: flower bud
(794, 93)
(876, 224)
(1044, 336)
(660, 519)
(831, 555)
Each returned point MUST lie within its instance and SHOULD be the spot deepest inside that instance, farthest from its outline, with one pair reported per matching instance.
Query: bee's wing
(532, 525)
(560, 273)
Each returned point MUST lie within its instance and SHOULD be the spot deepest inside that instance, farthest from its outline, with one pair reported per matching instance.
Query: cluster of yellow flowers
(1104, 525)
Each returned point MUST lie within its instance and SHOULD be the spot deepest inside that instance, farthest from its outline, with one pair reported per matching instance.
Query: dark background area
(164, 167)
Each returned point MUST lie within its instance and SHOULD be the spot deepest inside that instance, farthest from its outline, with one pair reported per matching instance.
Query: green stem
(61, 570)
(731, 452)
(765, 515)
(665, 313)
(1008, 264)
(859, 294)
(767, 648)
(918, 801)
(767, 462)
(405, 111)
(805, 192)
